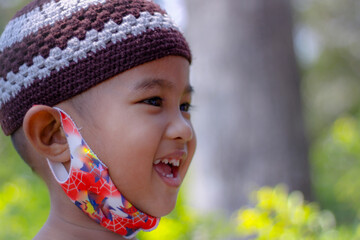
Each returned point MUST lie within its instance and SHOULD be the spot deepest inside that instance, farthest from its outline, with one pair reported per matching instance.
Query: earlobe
(42, 127)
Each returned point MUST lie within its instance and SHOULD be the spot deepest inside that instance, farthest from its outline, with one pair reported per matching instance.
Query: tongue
(163, 168)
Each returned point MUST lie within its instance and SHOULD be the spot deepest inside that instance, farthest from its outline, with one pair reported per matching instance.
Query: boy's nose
(180, 128)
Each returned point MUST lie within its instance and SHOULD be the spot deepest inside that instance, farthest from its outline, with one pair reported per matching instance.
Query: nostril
(180, 128)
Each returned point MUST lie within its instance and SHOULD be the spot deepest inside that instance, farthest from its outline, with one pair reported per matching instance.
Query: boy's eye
(185, 107)
(154, 101)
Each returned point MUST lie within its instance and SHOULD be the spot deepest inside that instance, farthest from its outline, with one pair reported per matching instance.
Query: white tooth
(165, 161)
(174, 162)
(170, 175)
(157, 162)
(177, 163)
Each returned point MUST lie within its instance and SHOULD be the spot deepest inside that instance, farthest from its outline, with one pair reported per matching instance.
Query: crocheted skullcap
(53, 50)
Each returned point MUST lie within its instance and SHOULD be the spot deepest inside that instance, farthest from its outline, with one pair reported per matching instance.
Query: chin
(162, 212)
(162, 208)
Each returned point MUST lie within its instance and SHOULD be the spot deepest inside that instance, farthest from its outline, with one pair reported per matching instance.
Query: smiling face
(138, 124)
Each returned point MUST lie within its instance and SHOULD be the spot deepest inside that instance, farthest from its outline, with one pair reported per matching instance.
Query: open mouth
(167, 168)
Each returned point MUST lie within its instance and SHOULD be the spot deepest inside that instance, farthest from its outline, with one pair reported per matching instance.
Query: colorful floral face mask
(89, 186)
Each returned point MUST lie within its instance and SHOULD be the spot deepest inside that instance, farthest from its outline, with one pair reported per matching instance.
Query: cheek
(191, 150)
(191, 145)
(131, 152)
(193, 142)
(133, 135)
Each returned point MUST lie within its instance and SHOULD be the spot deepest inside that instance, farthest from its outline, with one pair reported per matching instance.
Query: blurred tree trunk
(249, 119)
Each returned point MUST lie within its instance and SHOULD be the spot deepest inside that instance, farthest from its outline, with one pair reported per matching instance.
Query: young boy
(96, 96)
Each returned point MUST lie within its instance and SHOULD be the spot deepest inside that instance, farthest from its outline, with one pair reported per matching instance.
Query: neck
(60, 228)
(66, 221)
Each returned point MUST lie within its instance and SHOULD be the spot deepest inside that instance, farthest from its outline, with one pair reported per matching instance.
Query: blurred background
(277, 100)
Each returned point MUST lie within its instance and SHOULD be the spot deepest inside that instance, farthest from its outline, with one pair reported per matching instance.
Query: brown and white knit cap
(53, 50)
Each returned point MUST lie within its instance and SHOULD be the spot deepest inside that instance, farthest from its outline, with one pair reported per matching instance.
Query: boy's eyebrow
(161, 83)
(153, 83)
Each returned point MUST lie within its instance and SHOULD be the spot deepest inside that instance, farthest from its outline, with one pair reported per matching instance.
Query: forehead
(168, 73)
(153, 83)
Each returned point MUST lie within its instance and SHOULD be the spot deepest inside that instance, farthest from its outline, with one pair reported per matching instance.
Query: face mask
(89, 186)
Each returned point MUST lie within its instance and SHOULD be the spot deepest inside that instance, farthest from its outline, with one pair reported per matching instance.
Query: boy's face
(134, 120)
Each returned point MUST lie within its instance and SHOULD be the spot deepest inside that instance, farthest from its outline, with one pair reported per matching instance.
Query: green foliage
(336, 166)
(24, 201)
(282, 216)
(331, 95)
(24, 207)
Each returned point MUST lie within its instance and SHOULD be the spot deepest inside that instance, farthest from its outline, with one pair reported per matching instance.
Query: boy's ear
(42, 127)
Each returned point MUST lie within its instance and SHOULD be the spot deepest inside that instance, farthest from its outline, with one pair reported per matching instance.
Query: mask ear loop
(59, 171)
(57, 168)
